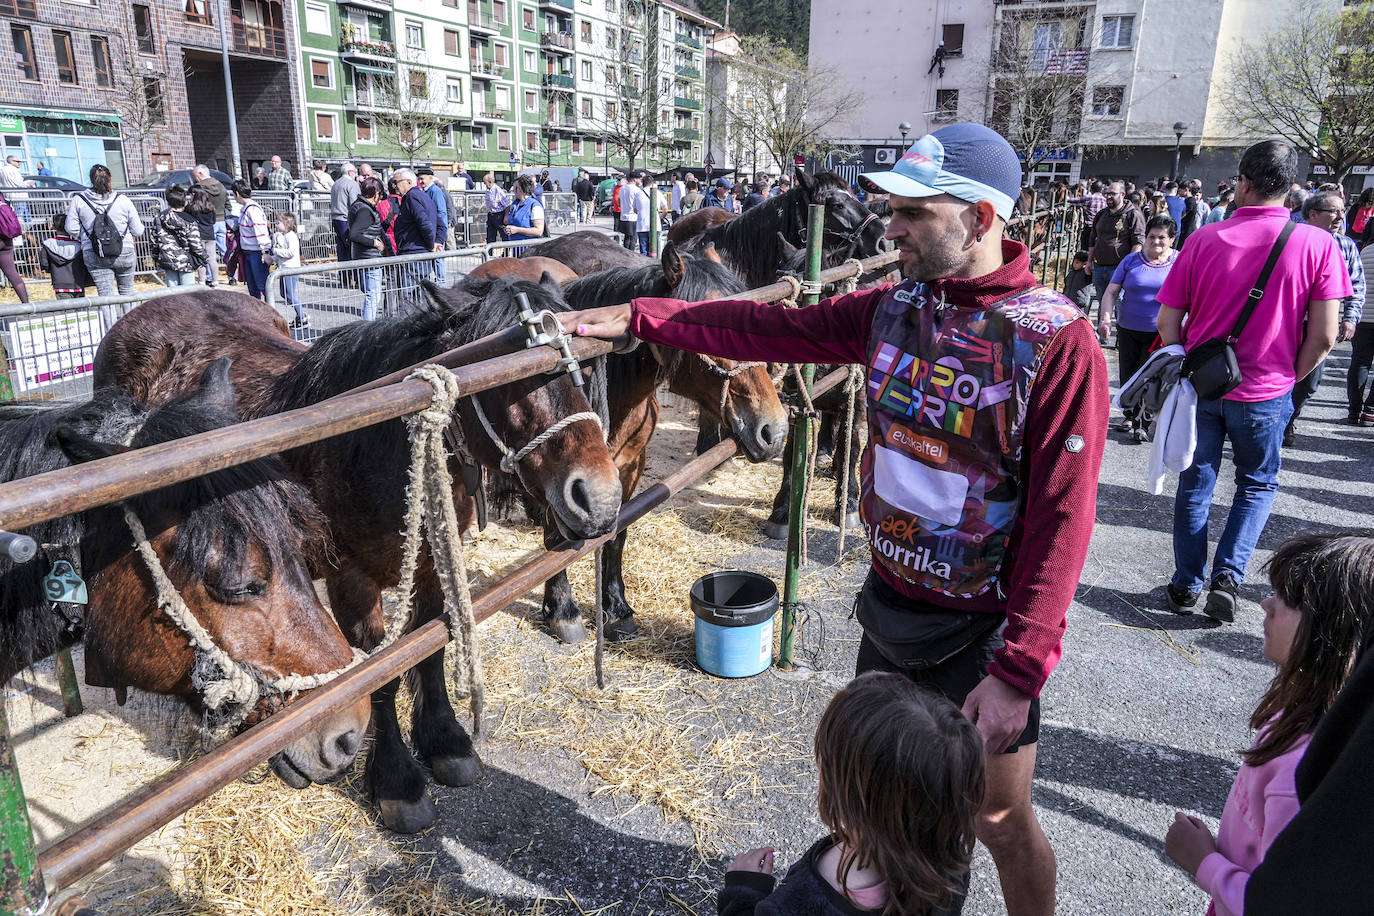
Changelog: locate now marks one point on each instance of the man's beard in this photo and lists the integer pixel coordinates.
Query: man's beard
(939, 258)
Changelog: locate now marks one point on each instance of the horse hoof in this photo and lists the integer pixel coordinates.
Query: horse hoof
(621, 629)
(775, 530)
(851, 521)
(568, 631)
(408, 817)
(455, 771)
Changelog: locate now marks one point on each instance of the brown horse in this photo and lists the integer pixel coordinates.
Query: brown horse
(743, 400)
(359, 479)
(235, 545)
(697, 222)
(532, 268)
(588, 252)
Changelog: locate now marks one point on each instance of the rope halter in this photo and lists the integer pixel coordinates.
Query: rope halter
(726, 376)
(510, 460)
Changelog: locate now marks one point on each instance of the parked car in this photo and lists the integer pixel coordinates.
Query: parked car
(52, 183)
(182, 177)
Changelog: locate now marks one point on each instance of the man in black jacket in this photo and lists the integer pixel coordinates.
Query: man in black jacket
(415, 231)
(586, 196)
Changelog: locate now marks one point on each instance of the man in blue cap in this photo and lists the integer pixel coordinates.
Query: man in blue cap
(987, 415)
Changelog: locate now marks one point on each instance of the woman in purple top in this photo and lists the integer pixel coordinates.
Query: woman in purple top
(1134, 286)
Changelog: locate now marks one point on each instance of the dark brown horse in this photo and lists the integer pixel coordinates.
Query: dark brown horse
(588, 252)
(235, 544)
(531, 267)
(359, 479)
(698, 222)
(742, 400)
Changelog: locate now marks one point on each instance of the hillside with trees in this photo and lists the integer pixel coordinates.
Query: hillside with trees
(785, 21)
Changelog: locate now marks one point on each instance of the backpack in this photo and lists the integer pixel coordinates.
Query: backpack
(106, 240)
(9, 220)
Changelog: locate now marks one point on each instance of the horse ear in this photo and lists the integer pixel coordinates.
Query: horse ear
(81, 449)
(673, 268)
(216, 387)
(711, 254)
(806, 182)
(547, 282)
(788, 249)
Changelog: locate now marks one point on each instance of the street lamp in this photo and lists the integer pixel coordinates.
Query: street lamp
(905, 128)
(1179, 128)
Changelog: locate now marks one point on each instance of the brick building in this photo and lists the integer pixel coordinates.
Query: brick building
(140, 85)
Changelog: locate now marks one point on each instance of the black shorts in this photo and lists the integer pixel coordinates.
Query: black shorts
(957, 676)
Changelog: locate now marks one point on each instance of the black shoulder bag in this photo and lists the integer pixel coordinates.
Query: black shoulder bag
(1211, 366)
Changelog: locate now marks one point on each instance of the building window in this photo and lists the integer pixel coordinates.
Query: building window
(527, 19)
(498, 11)
(531, 140)
(1047, 39)
(364, 130)
(153, 99)
(419, 84)
(321, 73)
(143, 28)
(198, 11)
(531, 65)
(577, 146)
(610, 111)
(454, 87)
(443, 135)
(1117, 31)
(498, 55)
(586, 70)
(610, 37)
(326, 127)
(503, 98)
(952, 34)
(503, 138)
(586, 29)
(479, 138)
(24, 59)
(317, 19)
(1107, 101)
(553, 146)
(586, 108)
(415, 35)
(531, 100)
(100, 56)
(601, 147)
(23, 9)
(451, 42)
(946, 106)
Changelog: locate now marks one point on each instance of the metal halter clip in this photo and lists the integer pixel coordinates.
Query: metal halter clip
(545, 330)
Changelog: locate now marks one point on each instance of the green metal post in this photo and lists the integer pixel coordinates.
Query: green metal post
(66, 680)
(21, 884)
(801, 454)
(653, 222)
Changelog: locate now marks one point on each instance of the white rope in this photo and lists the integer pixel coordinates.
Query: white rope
(850, 284)
(726, 376)
(852, 386)
(790, 300)
(510, 460)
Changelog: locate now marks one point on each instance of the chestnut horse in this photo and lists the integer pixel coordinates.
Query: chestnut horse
(531, 267)
(359, 479)
(234, 543)
(589, 252)
(742, 400)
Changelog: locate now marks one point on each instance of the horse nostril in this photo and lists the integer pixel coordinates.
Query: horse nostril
(349, 742)
(578, 496)
(766, 434)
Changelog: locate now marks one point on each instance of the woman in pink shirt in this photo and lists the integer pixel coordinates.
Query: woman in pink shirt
(1313, 625)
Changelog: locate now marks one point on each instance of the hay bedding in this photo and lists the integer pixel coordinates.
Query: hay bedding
(662, 735)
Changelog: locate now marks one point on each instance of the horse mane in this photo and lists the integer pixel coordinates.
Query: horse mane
(222, 514)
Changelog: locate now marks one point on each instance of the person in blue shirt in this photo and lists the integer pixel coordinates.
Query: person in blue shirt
(525, 217)
(435, 192)
(720, 196)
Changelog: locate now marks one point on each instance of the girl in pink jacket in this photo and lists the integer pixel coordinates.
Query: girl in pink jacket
(1313, 626)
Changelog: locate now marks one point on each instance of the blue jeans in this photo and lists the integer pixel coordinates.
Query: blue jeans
(643, 243)
(411, 275)
(1255, 430)
(439, 274)
(1102, 278)
(179, 277)
(372, 292)
(221, 238)
(288, 289)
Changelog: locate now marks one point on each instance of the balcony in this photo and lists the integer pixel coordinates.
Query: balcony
(558, 81)
(485, 24)
(686, 133)
(682, 101)
(379, 6)
(566, 5)
(557, 42)
(361, 100)
(376, 52)
(488, 116)
(688, 41)
(563, 123)
(688, 73)
(486, 70)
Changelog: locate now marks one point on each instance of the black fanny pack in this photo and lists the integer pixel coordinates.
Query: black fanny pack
(1211, 366)
(917, 639)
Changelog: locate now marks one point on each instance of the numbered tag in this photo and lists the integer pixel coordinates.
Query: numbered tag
(63, 584)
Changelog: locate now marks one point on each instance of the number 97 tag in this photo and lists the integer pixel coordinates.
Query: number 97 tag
(63, 584)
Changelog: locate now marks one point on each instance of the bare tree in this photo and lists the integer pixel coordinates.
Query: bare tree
(1311, 81)
(1039, 72)
(631, 120)
(411, 109)
(775, 103)
(140, 97)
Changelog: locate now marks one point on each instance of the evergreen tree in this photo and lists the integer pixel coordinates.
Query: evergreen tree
(785, 21)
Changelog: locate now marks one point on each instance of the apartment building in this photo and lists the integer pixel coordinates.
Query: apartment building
(504, 84)
(1095, 86)
(139, 86)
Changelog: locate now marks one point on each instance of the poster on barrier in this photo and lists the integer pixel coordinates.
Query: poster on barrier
(47, 349)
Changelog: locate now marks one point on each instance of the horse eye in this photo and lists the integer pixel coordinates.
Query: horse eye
(246, 591)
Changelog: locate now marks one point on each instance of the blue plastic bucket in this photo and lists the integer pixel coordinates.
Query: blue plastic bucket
(734, 622)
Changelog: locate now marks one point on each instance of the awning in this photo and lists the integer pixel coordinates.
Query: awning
(367, 68)
(61, 113)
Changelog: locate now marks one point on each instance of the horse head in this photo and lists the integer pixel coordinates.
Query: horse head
(522, 427)
(738, 396)
(851, 229)
(235, 546)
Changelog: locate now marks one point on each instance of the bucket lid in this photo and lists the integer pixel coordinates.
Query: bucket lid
(734, 598)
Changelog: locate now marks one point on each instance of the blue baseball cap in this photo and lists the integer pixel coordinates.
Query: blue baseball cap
(968, 161)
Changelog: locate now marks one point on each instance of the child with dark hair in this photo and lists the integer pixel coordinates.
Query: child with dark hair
(901, 782)
(60, 256)
(1314, 624)
(175, 238)
(1078, 283)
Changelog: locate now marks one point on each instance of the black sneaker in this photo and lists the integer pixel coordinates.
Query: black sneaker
(1221, 600)
(1181, 600)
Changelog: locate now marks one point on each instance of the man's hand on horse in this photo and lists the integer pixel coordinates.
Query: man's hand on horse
(607, 322)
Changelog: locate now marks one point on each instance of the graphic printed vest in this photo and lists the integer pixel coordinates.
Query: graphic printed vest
(947, 394)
